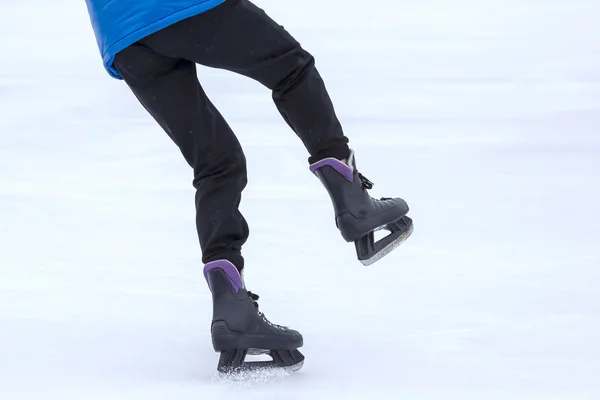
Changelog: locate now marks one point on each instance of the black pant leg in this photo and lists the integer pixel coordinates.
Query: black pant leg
(240, 37)
(169, 90)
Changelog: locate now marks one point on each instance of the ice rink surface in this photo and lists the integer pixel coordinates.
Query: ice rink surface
(483, 115)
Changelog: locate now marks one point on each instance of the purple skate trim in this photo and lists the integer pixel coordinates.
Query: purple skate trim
(230, 270)
(339, 166)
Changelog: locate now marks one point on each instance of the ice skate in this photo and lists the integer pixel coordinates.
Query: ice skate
(239, 329)
(357, 215)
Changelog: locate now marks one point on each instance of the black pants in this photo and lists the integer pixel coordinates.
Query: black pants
(240, 37)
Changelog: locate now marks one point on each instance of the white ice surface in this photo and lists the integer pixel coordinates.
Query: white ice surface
(484, 115)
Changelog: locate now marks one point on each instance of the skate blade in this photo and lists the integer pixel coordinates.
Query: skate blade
(259, 372)
(263, 366)
(389, 248)
(258, 376)
(257, 352)
(235, 362)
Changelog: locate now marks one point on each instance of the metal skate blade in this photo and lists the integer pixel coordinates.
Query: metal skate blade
(257, 352)
(389, 248)
(235, 363)
(296, 367)
(260, 373)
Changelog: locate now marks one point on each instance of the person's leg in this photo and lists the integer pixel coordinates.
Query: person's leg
(240, 37)
(169, 90)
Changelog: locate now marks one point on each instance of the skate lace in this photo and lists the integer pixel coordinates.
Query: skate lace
(254, 297)
(367, 184)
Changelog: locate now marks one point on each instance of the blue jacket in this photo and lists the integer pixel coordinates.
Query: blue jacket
(120, 23)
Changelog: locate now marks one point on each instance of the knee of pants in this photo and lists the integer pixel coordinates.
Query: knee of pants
(215, 170)
(295, 66)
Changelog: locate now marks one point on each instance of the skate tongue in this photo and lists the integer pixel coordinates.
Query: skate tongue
(234, 276)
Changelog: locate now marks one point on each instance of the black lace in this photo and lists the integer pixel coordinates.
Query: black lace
(367, 184)
(254, 298)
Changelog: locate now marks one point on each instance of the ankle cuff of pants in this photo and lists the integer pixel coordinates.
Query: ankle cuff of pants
(340, 152)
(233, 257)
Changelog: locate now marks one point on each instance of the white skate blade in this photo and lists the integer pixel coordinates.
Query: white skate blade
(389, 248)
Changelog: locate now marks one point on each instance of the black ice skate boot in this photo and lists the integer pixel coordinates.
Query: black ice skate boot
(239, 329)
(357, 214)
